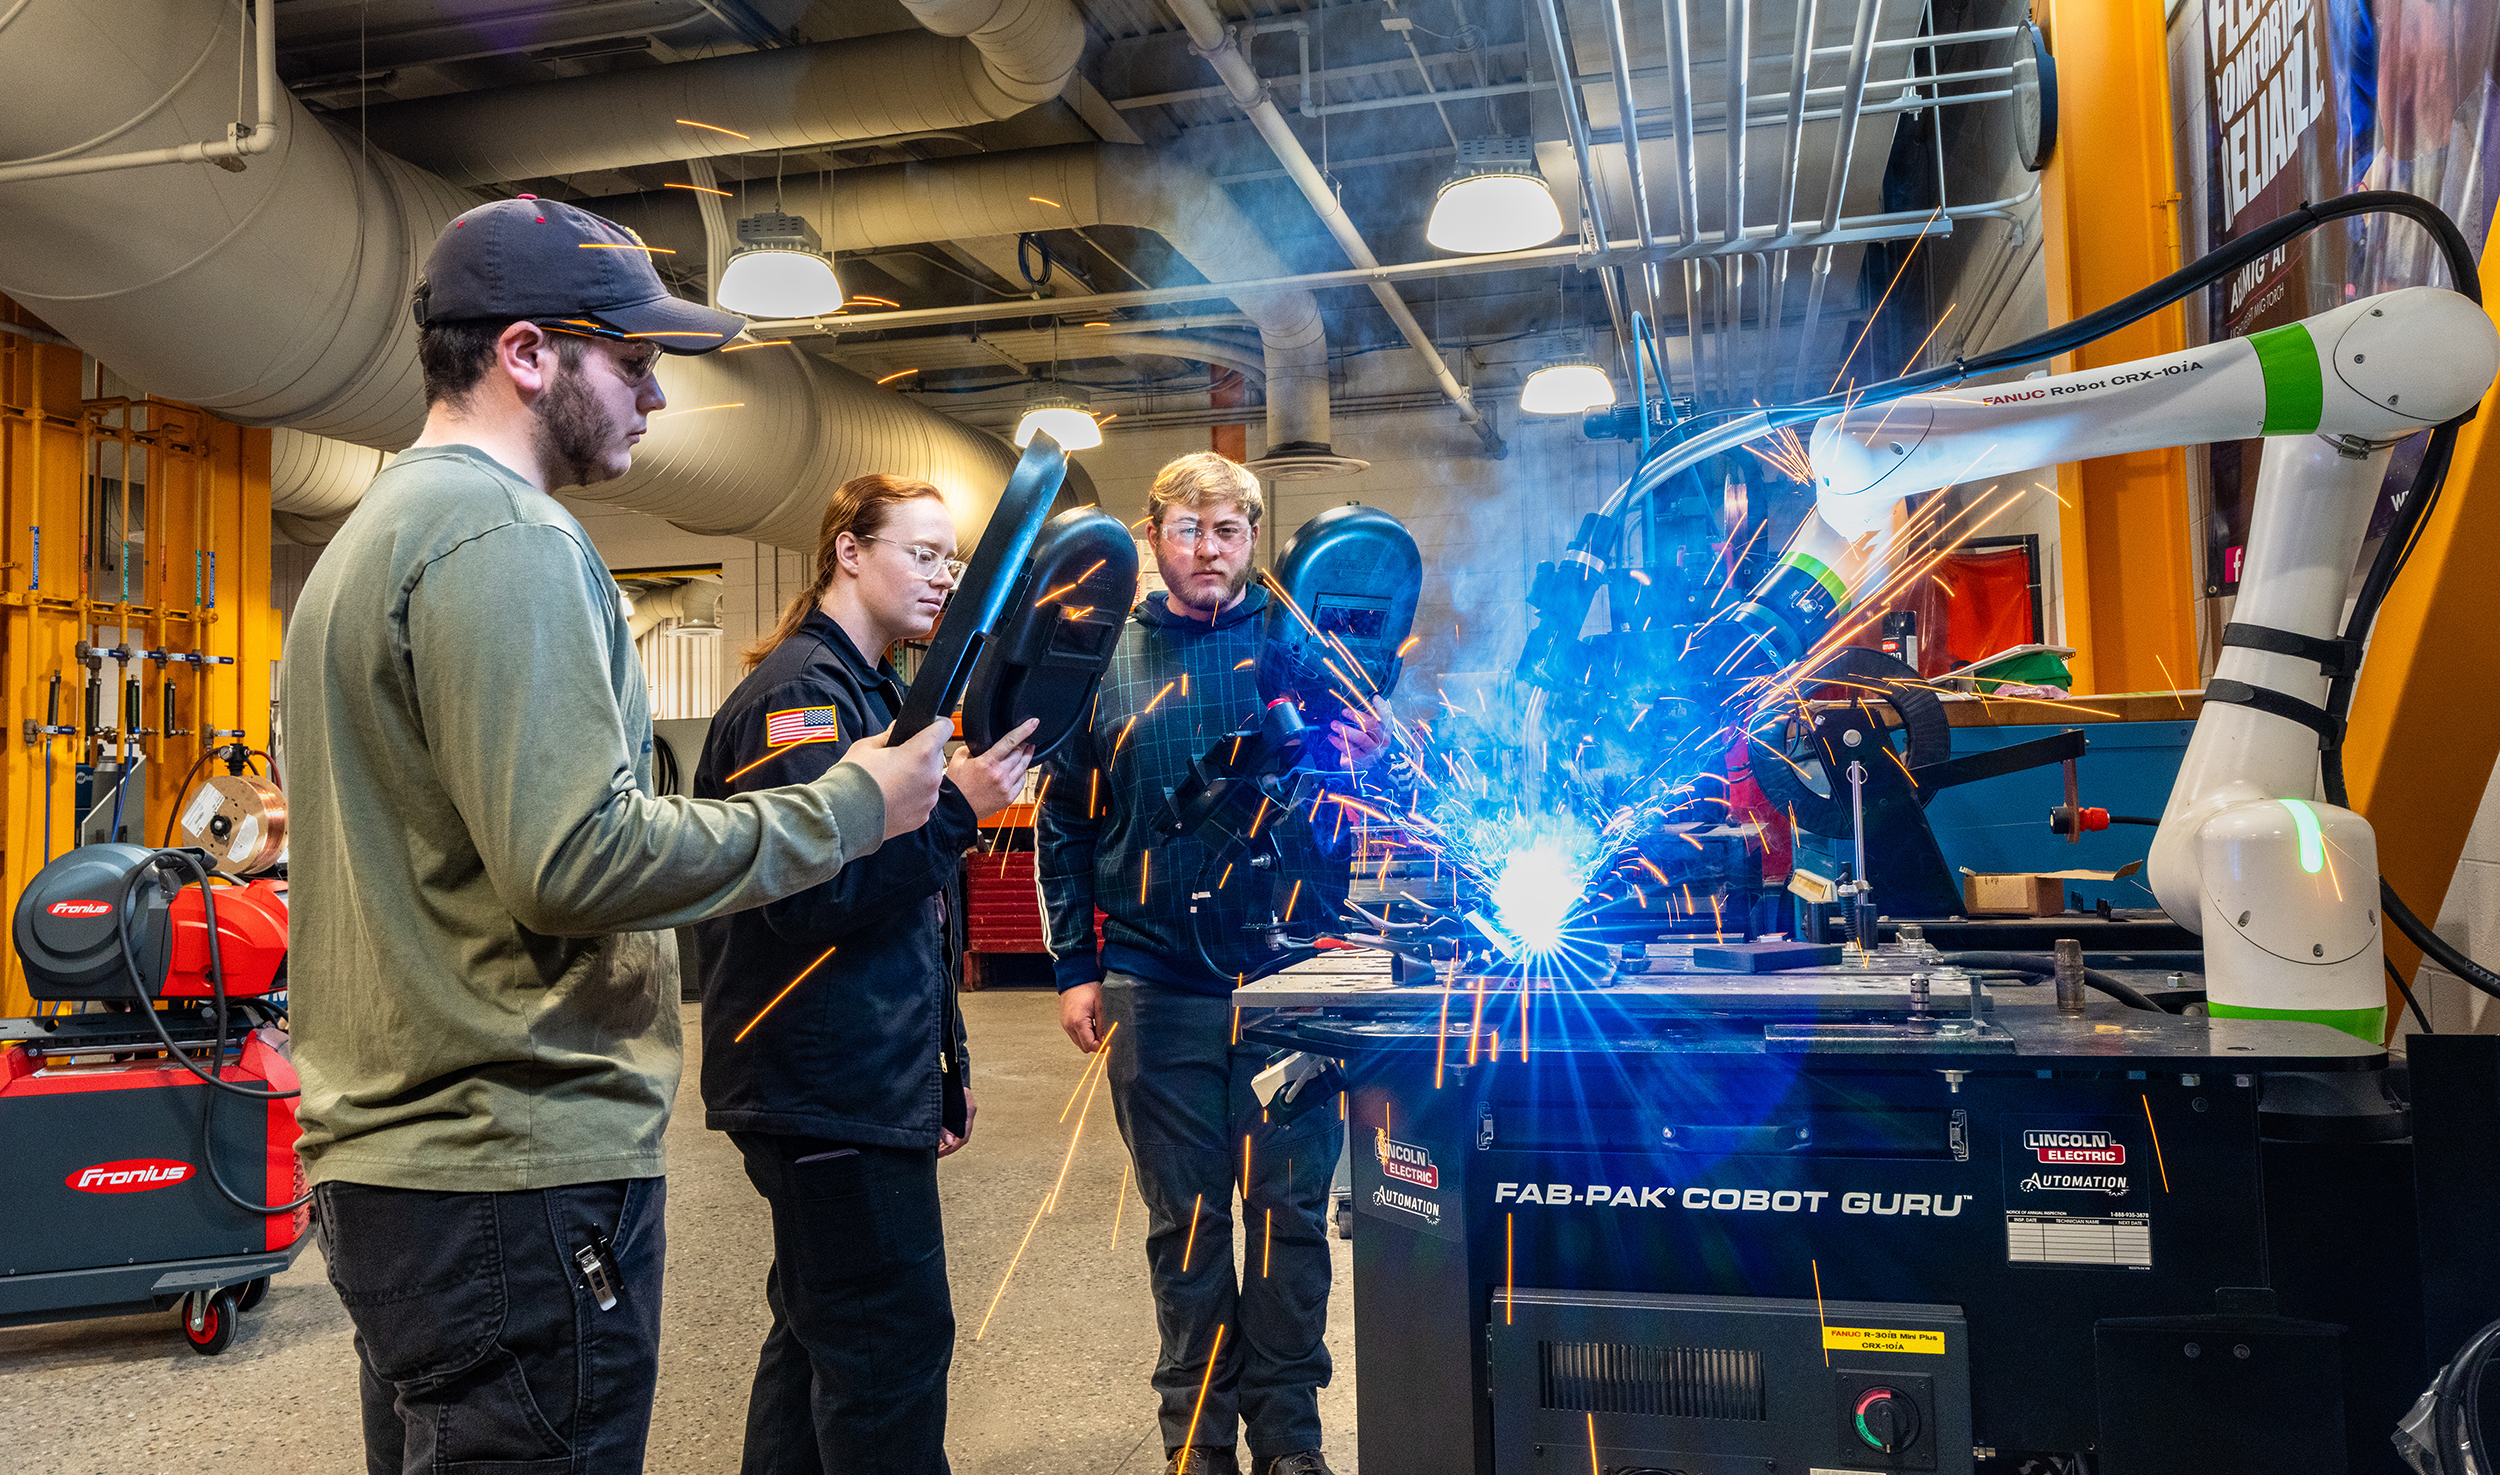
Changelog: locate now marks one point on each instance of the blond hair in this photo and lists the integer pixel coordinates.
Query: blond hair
(1203, 479)
(860, 507)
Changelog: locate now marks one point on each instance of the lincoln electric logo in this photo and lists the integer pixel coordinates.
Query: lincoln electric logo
(130, 1175)
(80, 908)
(2097, 1149)
(1405, 1161)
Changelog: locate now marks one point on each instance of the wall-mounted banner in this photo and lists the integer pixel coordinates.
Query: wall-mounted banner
(2306, 100)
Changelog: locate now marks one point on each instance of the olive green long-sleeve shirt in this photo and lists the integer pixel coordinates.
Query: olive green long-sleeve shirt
(481, 993)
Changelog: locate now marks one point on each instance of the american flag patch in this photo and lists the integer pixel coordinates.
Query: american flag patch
(800, 725)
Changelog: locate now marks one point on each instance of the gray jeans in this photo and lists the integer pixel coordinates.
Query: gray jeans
(1181, 1091)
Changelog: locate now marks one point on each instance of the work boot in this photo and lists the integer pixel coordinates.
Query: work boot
(1203, 1459)
(1300, 1462)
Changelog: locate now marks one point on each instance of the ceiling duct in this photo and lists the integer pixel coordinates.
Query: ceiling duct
(1082, 185)
(1115, 184)
(279, 295)
(1019, 53)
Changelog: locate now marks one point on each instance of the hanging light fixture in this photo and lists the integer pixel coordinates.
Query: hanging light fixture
(1494, 201)
(779, 270)
(1065, 418)
(1568, 386)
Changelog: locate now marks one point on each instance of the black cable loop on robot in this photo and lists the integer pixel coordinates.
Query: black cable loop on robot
(2464, 273)
(141, 875)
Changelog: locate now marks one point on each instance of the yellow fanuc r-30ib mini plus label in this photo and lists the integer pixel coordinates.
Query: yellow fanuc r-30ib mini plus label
(1878, 1339)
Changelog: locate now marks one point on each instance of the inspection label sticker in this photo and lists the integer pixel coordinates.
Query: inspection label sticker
(2076, 1193)
(1881, 1339)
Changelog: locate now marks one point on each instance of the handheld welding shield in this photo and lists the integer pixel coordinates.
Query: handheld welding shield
(1350, 579)
(1062, 624)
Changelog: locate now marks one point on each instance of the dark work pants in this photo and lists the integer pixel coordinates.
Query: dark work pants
(480, 1348)
(852, 1379)
(1181, 1090)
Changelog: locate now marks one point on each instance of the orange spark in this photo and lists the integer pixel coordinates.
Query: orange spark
(777, 998)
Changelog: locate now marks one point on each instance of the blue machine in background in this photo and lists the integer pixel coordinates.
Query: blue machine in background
(2002, 824)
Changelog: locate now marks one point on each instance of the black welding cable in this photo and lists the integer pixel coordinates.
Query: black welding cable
(2406, 989)
(2464, 277)
(2456, 1405)
(2412, 514)
(2044, 965)
(141, 874)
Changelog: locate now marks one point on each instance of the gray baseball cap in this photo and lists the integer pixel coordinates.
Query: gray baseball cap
(546, 260)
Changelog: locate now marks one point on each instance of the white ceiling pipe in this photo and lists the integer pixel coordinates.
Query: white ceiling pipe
(696, 599)
(279, 296)
(1020, 53)
(1212, 39)
(753, 442)
(314, 482)
(1104, 184)
(1069, 185)
(240, 142)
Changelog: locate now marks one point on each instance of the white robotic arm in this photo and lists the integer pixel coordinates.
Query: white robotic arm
(2284, 887)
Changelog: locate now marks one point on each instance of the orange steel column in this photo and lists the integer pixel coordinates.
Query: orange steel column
(2107, 205)
(2424, 726)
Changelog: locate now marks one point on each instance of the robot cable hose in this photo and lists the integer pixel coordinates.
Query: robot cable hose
(1599, 535)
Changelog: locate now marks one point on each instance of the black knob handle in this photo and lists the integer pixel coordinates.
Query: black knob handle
(1887, 1420)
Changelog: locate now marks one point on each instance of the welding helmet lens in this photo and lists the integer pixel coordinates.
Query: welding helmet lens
(1350, 578)
(1061, 626)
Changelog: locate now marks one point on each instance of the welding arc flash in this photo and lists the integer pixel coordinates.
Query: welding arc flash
(1534, 894)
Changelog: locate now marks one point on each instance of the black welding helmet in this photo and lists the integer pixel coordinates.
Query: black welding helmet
(1057, 634)
(1350, 578)
(68, 925)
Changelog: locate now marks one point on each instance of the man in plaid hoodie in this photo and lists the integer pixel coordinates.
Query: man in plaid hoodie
(1180, 1082)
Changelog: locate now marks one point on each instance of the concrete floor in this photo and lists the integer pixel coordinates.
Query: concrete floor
(1057, 1384)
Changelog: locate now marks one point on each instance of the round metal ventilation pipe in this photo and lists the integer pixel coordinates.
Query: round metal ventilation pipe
(314, 482)
(1079, 185)
(1105, 184)
(753, 443)
(1020, 53)
(273, 296)
(279, 295)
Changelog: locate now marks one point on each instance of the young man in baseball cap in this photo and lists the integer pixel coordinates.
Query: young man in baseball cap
(485, 996)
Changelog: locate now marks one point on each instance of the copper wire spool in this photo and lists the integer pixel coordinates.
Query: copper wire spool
(239, 820)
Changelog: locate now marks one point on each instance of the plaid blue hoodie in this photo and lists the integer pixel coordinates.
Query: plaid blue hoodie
(1175, 686)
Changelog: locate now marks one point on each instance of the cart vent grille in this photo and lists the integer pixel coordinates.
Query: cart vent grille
(1668, 1382)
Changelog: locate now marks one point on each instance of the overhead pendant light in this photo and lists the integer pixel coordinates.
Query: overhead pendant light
(1570, 387)
(1494, 201)
(779, 270)
(1064, 418)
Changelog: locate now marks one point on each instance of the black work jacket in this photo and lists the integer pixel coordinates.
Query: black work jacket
(861, 1049)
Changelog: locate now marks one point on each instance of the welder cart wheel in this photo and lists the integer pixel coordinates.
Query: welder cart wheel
(215, 1331)
(254, 1292)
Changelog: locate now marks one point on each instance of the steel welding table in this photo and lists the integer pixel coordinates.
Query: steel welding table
(1710, 1223)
